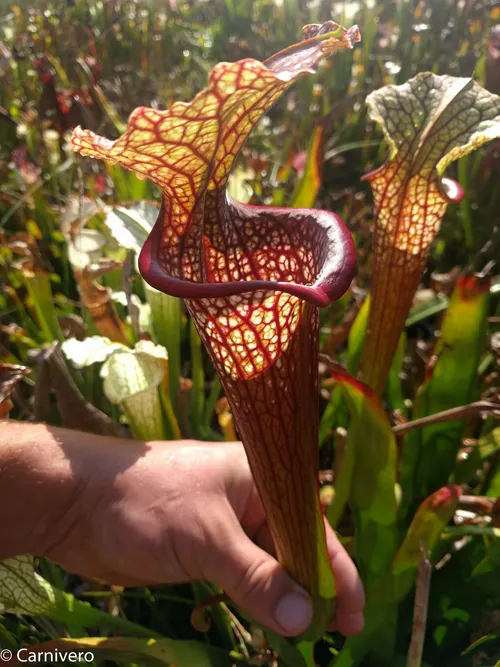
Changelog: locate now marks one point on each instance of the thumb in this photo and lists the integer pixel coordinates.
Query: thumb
(258, 584)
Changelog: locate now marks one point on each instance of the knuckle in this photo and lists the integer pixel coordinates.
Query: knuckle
(251, 583)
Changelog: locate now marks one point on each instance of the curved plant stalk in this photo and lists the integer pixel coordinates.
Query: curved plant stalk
(429, 122)
(252, 278)
(430, 452)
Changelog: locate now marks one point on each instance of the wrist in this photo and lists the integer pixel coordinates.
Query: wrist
(37, 486)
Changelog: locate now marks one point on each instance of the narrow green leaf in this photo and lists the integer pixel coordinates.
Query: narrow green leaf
(429, 453)
(334, 414)
(168, 326)
(289, 654)
(197, 396)
(395, 396)
(39, 289)
(310, 183)
(367, 478)
(425, 310)
(357, 337)
(492, 637)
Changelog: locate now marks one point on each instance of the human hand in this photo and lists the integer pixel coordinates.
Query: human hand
(135, 513)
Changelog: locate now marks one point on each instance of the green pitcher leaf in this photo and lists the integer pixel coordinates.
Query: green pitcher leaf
(24, 591)
(91, 350)
(132, 379)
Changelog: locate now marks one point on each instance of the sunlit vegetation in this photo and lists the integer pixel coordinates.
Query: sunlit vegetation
(403, 398)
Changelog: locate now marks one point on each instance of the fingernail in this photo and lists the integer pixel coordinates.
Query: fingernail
(294, 613)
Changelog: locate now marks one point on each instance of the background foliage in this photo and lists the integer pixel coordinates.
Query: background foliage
(64, 63)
